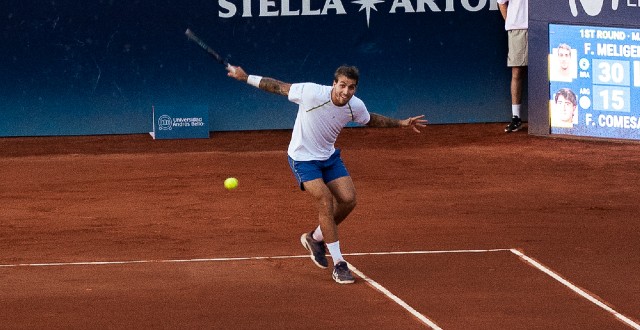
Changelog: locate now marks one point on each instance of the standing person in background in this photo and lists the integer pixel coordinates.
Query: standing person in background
(516, 18)
(322, 113)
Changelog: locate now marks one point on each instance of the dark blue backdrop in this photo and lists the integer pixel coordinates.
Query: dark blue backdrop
(75, 67)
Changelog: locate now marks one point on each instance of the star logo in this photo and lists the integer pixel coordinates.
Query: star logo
(367, 5)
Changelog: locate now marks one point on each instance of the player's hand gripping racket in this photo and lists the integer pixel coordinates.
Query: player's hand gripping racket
(208, 49)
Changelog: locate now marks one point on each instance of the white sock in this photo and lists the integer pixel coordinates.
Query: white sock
(317, 234)
(334, 250)
(515, 110)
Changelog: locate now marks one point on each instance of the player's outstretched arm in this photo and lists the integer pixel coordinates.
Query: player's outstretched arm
(265, 83)
(381, 121)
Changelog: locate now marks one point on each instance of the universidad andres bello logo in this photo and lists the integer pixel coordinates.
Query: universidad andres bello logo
(271, 8)
(593, 7)
(165, 123)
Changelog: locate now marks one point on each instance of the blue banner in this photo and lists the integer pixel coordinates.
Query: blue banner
(96, 67)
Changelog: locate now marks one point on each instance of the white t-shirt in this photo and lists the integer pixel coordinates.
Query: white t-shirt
(319, 121)
(517, 14)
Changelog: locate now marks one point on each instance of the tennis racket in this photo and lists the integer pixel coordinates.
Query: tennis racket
(206, 47)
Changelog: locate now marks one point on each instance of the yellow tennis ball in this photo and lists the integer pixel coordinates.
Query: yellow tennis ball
(231, 183)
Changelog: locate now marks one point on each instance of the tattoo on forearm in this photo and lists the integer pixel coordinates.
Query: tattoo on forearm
(382, 121)
(274, 86)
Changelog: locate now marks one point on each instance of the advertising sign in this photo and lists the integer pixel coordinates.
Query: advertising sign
(180, 122)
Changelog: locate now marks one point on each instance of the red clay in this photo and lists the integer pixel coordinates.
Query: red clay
(570, 204)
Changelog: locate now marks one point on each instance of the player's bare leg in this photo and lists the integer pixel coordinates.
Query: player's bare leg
(344, 194)
(334, 201)
(326, 206)
(324, 200)
(316, 245)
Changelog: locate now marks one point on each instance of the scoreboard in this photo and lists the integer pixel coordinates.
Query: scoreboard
(594, 81)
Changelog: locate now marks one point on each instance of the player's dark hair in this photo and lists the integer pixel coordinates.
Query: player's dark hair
(350, 72)
(568, 95)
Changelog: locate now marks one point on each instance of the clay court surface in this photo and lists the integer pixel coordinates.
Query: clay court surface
(454, 228)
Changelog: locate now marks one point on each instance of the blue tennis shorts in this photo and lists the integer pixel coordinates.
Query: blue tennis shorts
(328, 170)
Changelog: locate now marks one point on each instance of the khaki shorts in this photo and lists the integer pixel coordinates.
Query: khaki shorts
(518, 48)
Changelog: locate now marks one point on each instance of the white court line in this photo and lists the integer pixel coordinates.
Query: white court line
(575, 289)
(149, 261)
(395, 298)
(424, 252)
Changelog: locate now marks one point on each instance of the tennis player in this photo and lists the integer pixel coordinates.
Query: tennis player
(322, 113)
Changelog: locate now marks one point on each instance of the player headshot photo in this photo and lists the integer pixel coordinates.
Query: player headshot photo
(564, 109)
(563, 64)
